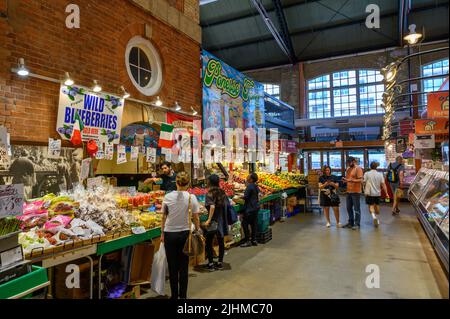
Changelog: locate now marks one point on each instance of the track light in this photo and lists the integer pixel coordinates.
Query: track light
(67, 80)
(390, 72)
(125, 95)
(97, 88)
(194, 112)
(22, 70)
(177, 106)
(158, 101)
(413, 37)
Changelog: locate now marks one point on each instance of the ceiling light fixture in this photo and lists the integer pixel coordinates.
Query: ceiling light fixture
(97, 88)
(125, 95)
(67, 80)
(390, 72)
(194, 112)
(22, 70)
(158, 101)
(413, 37)
(177, 106)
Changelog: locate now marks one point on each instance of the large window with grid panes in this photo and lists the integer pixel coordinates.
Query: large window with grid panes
(438, 70)
(272, 89)
(345, 93)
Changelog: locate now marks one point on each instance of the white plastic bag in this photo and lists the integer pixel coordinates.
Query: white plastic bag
(159, 268)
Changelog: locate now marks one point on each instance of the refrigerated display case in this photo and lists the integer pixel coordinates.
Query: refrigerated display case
(433, 208)
(419, 183)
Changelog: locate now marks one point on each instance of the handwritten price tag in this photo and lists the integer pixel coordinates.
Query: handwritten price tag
(11, 200)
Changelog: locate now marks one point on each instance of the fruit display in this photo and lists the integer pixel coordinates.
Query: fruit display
(294, 178)
(227, 187)
(274, 181)
(197, 191)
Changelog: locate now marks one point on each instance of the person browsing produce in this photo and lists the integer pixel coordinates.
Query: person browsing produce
(250, 211)
(175, 229)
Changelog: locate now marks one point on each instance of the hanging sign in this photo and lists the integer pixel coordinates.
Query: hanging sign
(230, 99)
(432, 126)
(100, 153)
(424, 141)
(11, 200)
(134, 153)
(100, 113)
(121, 154)
(85, 168)
(437, 105)
(151, 155)
(109, 151)
(54, 148)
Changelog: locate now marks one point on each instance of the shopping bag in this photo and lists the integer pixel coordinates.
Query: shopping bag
(159, 268)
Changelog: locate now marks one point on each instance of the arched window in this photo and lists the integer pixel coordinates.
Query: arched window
(345, 93)
(435, 68)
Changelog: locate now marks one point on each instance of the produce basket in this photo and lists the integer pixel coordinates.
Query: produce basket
(25, 285)
(263, 220)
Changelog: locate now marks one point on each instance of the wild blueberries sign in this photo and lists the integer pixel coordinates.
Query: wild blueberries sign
(100, 113)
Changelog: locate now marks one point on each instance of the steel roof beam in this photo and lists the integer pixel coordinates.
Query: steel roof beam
(273, 30)
(284, 29)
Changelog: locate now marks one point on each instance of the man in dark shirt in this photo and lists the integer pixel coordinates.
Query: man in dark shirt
(168, 178)
(250, 211)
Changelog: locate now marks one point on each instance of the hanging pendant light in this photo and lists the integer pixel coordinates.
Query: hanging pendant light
(22, 70)
(413, 37)
(97, 88)
(125, 95)
(194, 112)
(67, 80)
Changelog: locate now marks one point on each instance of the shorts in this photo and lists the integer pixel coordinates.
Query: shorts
(373, 200)
(325, 201)
(396, 190)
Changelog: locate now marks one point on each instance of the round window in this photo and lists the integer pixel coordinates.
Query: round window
(143, 66)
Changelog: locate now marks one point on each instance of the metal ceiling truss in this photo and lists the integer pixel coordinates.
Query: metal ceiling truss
(317, 29)
(284, 46)
(284, 29)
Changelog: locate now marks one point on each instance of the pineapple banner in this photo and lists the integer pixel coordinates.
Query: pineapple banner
(230, 99)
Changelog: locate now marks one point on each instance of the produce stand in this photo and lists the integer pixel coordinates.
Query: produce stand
(23, 286)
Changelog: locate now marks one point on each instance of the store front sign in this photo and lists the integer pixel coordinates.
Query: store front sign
(432, 126)
(288, 146)
(230, 99)
(437, 105)
(424, 141)
(100, 113)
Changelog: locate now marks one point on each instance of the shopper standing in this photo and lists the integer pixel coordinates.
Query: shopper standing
(353, 178)
(373, 183)
(216, 204)
(175, 229)
(250, 211)
(395, 175)
(328, 186)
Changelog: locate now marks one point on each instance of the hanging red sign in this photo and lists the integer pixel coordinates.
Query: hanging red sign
(437, 105)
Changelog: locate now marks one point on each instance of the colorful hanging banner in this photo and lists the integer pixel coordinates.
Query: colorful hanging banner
(432, 126)
(101, 114)
(230, 99)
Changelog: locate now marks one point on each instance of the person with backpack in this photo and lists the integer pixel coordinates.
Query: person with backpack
(395, 175)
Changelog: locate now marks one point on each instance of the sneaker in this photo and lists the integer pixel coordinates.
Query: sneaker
(356, 227)
(218, 265)
(254, 243)
(347, 226)
(376, 222)
(328, 225)
(246, 244)
(339, 225)
(210, 267)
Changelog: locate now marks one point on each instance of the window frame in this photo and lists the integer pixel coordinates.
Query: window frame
(271, 87)
(156, 79)
(330, 89)
(432, 76)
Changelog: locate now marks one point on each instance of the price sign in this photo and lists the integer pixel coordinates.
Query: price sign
(134, 153)
(109, 151)
(54, 148)
(100, 153)
(11, 200)
(121, 154)
(85, 167)
(151, 155)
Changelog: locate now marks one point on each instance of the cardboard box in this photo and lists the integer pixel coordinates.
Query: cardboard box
(61, 291)
(141, 263)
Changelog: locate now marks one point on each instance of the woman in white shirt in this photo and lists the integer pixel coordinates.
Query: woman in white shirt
(175, 231)
(373, 182)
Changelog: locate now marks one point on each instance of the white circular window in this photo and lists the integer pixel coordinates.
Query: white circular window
(143, 66)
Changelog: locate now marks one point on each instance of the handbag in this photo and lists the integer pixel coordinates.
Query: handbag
(334, 198)
(212, 228)
(195, 242)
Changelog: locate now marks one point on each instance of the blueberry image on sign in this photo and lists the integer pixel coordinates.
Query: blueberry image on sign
(111, 135)
(115, 102)
(72, 92)
(66, 130)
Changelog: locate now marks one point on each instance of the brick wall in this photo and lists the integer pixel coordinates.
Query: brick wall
(35, 30)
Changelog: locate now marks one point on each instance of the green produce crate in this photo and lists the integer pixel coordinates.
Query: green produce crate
(263, 220)
(26, 283)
